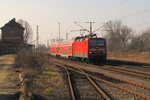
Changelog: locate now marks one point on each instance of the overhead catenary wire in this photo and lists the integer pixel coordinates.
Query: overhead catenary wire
(81, 26)
(140, 24)
(137, 13)
(117, 5)
(100, 27)
(90, 31)
(130, 15)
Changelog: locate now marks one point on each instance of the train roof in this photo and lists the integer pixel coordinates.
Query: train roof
(79, 38)
(62, 43)
(89, 36)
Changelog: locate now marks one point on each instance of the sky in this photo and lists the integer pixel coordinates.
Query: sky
(48, 13)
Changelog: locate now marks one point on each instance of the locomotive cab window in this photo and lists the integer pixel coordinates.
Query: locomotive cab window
(100, 43)
(96, 43)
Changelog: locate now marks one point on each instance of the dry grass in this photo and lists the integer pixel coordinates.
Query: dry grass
(30, 59)
(50, 83)
(8, 77)
(143, 57)
(7, 59)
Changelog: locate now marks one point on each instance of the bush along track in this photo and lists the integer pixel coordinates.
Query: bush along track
(30, 65)
(39, 79)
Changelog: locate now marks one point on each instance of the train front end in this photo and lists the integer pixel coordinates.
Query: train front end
(97, 49)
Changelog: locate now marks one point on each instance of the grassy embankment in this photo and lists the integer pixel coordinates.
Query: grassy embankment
(143, 57)
(47, 79)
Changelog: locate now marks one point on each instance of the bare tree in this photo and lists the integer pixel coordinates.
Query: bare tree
(145, 38)
(118, 35)
(42, 47)
(28, 33)
(136, 43)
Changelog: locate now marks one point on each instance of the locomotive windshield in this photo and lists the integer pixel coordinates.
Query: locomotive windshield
(96, 43)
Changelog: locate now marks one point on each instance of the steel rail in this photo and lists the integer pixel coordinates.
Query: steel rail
(117, 86)
(122, 88)
(101, 92)
(135, 74)
(132, 83)
(135, 71)
(123, 71)
(112, 84)
(69, 82)
(105, 97)
(135, 84)
(120, 70)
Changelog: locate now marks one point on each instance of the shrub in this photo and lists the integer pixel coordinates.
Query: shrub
(30, 59)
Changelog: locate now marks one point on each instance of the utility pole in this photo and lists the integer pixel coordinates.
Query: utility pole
(51, 38)
(59, 33)
(37, 36)
(47, 43)
(91, 26)
(66, 36)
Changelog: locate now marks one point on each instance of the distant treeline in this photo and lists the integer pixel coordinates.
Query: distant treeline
(123, 38)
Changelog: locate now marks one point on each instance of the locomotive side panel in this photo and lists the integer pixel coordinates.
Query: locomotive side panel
(80, 49)
(85, 49)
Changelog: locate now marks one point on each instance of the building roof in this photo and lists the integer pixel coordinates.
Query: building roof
(12, 24)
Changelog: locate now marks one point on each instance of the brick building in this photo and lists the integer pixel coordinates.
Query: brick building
(12, 36)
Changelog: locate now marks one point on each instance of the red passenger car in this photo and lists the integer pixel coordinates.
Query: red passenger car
(66, 49)
(54, 49)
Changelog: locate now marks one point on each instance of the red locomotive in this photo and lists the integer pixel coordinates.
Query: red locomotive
(87, 48)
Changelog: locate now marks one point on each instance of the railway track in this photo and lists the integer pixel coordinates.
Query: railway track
(107, 83)
(114, 62)
(126, 71)
(136, 73)
(69, 83)
(74, 94)
(129, 70)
